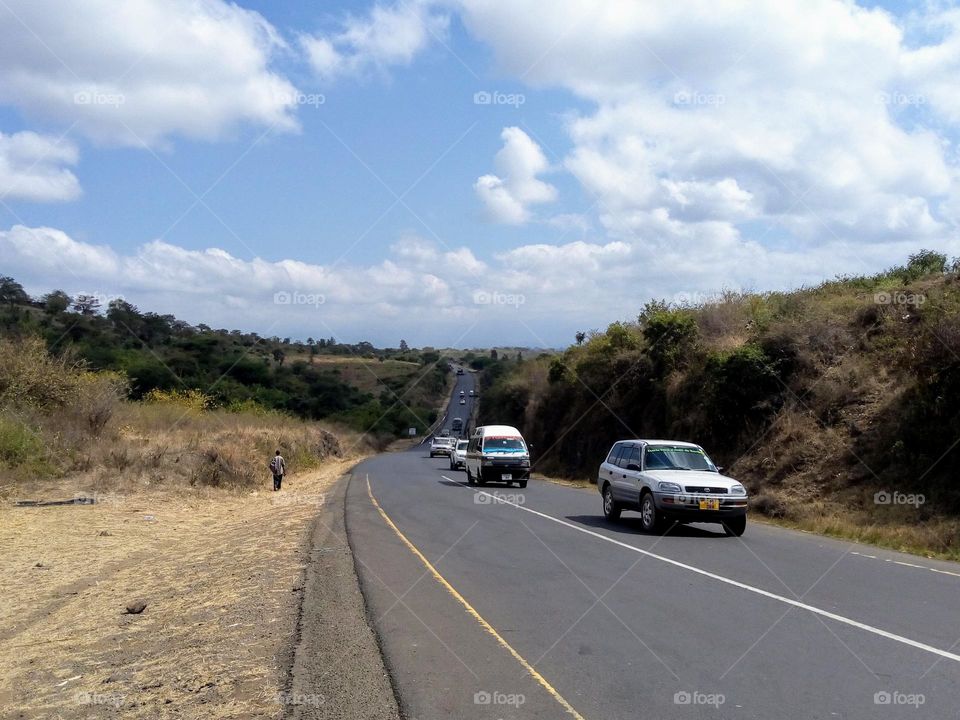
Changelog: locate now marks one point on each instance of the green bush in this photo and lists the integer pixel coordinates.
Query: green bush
(671, 335)
(20, 445)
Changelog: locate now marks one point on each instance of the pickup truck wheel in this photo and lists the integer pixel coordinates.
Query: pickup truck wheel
(735, 527)
(650, 518)
(611, 508)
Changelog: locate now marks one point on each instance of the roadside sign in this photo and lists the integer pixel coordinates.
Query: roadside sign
(412, 431)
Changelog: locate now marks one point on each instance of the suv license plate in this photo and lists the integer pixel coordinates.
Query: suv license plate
(710, 504)
(506, 477)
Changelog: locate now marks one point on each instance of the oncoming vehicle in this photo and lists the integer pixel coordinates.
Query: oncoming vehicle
(463, 401)
(442, 445)
(667, 480)
(459, 371)
(458, 457)
(457, 425)
(497, 453)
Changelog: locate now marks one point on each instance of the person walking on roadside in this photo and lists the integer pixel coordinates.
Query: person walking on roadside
(278, 468)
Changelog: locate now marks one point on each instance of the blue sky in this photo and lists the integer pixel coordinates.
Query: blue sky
(206, 158)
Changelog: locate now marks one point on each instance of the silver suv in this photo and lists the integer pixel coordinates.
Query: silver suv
(442, 446)
(667, 480)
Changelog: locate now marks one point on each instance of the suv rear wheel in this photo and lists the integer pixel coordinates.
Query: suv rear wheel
(611, 508)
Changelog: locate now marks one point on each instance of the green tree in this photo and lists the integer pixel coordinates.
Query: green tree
(12, 292)
(56, 303)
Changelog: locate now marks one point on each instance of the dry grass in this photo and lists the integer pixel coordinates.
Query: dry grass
(219, 570)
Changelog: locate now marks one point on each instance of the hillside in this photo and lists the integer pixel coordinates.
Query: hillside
(838, 405)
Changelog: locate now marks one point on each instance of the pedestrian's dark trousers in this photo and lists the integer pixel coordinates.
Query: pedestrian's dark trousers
(277, 479)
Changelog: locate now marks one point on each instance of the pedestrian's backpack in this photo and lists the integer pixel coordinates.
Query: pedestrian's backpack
(275, 465)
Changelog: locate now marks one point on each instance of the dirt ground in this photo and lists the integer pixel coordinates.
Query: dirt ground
(222, 577)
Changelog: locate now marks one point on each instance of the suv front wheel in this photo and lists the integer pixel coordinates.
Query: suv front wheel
(735, 526)
(650, 519)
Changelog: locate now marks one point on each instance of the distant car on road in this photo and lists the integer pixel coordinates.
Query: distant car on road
(457, 425)
(459, 371)
(473, 393)
(667, 480)
(458, 457)
(463, 401)
(442, 446)
(497, 453)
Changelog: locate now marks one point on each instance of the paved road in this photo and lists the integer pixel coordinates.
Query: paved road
(536, 597)
(465, 383)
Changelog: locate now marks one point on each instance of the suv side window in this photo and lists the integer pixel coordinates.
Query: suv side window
(631, 458)
(625, 456)
(614, 453)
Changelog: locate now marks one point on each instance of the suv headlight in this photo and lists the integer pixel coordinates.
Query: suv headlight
(738, 489)
(668, 487)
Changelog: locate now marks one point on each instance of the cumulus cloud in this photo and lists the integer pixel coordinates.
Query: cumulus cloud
(388, 35)
(140, 71)
(32, 168)
(508, 195)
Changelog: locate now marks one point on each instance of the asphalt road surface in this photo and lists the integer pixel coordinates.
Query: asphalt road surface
(502, 603)
(465, 383)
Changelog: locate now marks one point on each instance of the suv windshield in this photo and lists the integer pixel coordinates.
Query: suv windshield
(503, 444)
(666, 457)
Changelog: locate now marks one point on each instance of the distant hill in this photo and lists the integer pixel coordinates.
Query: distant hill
(378, 390)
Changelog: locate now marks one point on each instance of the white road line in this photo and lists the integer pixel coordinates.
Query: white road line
(729, 581)
(906, 564)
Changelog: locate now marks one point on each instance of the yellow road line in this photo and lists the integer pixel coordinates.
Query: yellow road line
(470, 609)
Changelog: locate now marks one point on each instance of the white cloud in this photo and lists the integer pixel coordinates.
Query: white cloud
(388, 35)
(722, 135)
(32, 168)
(507, 196)
(142, 70)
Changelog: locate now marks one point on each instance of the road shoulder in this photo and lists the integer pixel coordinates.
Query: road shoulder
(338, 670)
